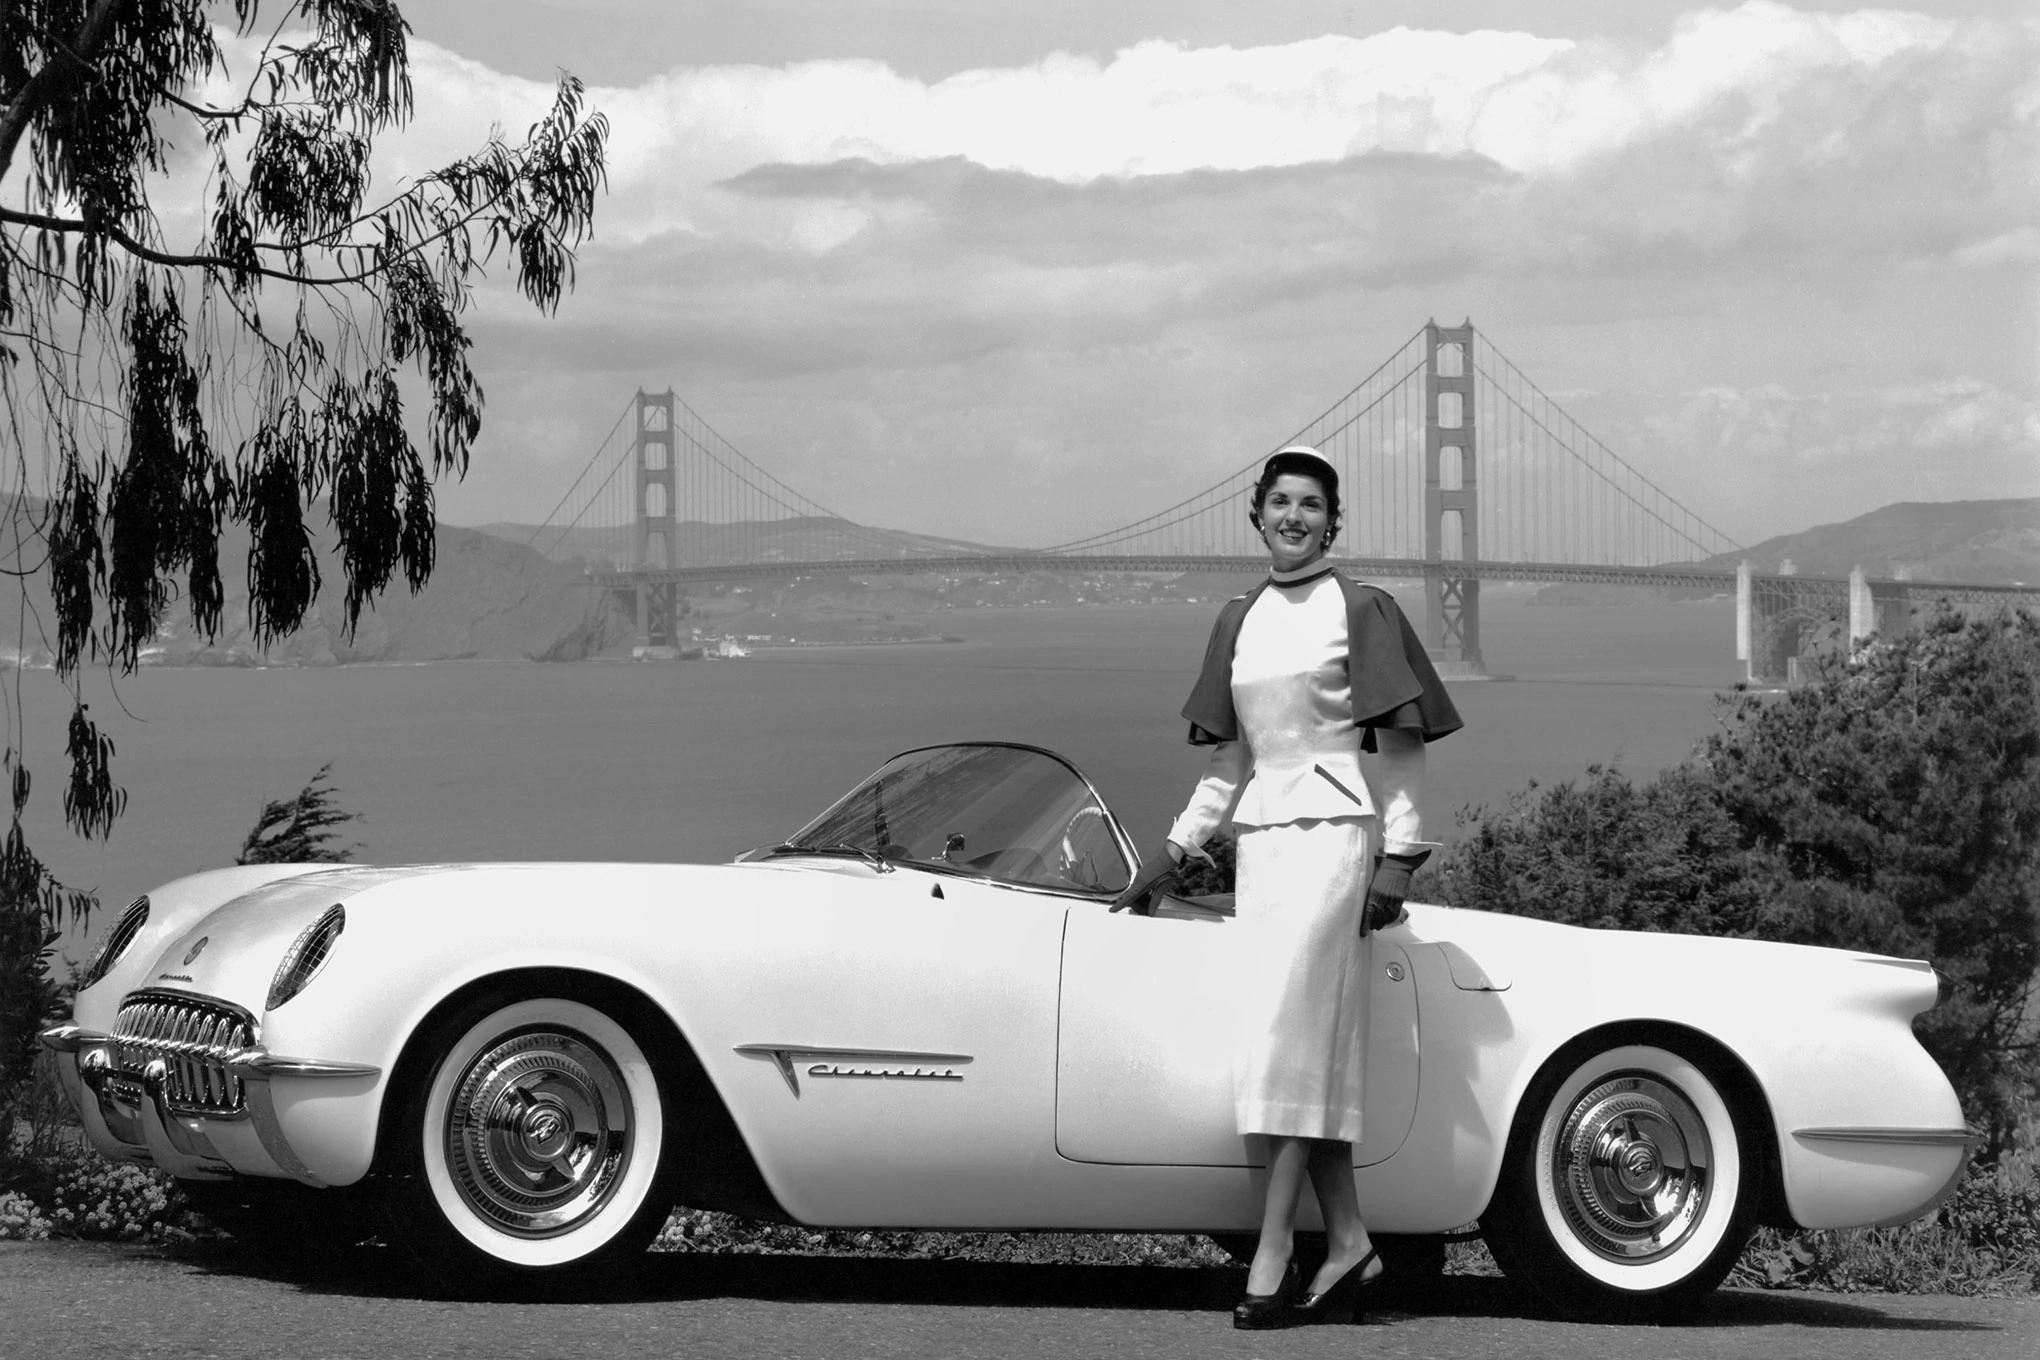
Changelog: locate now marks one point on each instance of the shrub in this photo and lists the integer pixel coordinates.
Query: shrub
(95, 1198)
(1891, 806)
(72, 1191)
(700, 1230)
(1608, 854)
(1194, 877)
(21, 1219)
(1894, 806)
(300, 830)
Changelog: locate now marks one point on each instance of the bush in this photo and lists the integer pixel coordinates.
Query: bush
(1195, 877)
(21, 1218)
(1894, 806)
(96, 1198)
(300, 830)
(1891, 806)
(700, 1230)
(1608, 854)
(74, 1192)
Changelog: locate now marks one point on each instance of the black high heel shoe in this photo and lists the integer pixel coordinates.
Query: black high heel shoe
(1340, 1304)
(1266, 1312)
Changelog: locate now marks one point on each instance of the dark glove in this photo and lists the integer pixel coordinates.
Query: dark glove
(1387, 888)
(1156, 870)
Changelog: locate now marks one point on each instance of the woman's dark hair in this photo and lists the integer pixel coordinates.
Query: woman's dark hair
(1277, 467)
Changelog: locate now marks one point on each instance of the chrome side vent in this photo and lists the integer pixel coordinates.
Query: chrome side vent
(194, 1037)
(306, 956)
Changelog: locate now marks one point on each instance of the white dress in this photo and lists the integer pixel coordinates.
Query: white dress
(1309, 823)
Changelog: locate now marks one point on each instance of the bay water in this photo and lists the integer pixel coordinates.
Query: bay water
(698, 760)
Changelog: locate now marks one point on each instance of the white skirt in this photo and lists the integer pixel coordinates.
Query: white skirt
(1303, 997)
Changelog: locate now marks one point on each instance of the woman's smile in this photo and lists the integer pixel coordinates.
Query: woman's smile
(1293, 519)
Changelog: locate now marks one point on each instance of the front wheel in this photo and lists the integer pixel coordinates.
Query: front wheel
(1629, 1186)
(533, 1144)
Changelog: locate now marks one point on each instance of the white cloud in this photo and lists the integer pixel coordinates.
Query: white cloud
(2020, 246)
(869, 268)
(1958, 429)
(1537, 106)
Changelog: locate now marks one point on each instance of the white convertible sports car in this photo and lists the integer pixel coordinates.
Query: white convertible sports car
(920, 1011)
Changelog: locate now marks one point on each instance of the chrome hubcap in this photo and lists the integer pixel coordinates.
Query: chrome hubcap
(539, 1133)
(1631, 1168)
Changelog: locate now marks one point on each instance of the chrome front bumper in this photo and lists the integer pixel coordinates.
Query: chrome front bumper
(197, 1112)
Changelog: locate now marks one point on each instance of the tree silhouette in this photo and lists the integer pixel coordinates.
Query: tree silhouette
(300, 829)
(209, 317)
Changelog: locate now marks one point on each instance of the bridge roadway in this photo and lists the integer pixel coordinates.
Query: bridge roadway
(1721, 579)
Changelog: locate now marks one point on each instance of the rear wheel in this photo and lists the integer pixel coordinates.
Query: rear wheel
(1630, 1184)
(534, 1144)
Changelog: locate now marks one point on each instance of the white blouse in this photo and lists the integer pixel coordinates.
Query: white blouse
(1298, 757)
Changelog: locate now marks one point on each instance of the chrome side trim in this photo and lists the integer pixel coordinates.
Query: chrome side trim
(861, 1062)
(1967, 1137)
(259, 1064)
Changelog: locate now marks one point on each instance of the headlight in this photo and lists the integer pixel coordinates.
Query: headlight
(306, 955)
(117, 941)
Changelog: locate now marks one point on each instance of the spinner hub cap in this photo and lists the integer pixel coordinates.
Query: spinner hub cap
(539, 1132)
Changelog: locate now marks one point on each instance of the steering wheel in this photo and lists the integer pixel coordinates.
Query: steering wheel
(1066, 861)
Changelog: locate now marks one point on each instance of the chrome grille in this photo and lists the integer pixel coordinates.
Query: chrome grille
(193, 1037)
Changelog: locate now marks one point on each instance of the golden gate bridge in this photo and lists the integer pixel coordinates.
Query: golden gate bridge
(1455, 468)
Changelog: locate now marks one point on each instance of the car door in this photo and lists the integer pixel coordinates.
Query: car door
(1146, 1035)
(881, 1043)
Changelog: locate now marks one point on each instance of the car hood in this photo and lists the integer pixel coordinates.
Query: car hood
(232, 951)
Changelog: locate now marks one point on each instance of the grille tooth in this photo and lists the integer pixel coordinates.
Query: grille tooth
(194, 1037)
(215, 1033)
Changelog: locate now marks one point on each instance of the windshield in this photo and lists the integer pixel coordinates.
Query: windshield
(1006, 812)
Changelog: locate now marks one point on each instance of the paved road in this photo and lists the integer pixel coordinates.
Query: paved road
(63, 1300)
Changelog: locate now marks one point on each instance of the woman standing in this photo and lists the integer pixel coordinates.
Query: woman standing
(1303, 673)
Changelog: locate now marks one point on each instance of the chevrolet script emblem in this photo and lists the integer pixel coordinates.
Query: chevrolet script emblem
(881, 1063)
(195, 950)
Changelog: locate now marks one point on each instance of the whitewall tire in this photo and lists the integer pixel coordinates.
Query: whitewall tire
(1630, 1184)
(534, 1145)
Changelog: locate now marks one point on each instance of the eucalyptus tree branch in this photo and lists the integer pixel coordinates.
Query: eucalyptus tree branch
(68, 66)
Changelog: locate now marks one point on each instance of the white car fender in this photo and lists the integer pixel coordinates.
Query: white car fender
(1796, 1012)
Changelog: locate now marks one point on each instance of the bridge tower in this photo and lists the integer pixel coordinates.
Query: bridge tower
(657, 545)
(1451, 601)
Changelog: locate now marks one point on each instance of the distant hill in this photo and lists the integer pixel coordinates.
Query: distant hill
(486, 599)
(1975, 542)
(505, 591)
(795, 539)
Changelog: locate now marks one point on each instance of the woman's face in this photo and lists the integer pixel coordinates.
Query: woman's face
(1293, 519)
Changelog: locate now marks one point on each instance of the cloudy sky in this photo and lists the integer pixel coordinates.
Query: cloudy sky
(1015, 270)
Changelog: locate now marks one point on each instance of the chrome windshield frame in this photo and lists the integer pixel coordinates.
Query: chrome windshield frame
(1119, 837)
